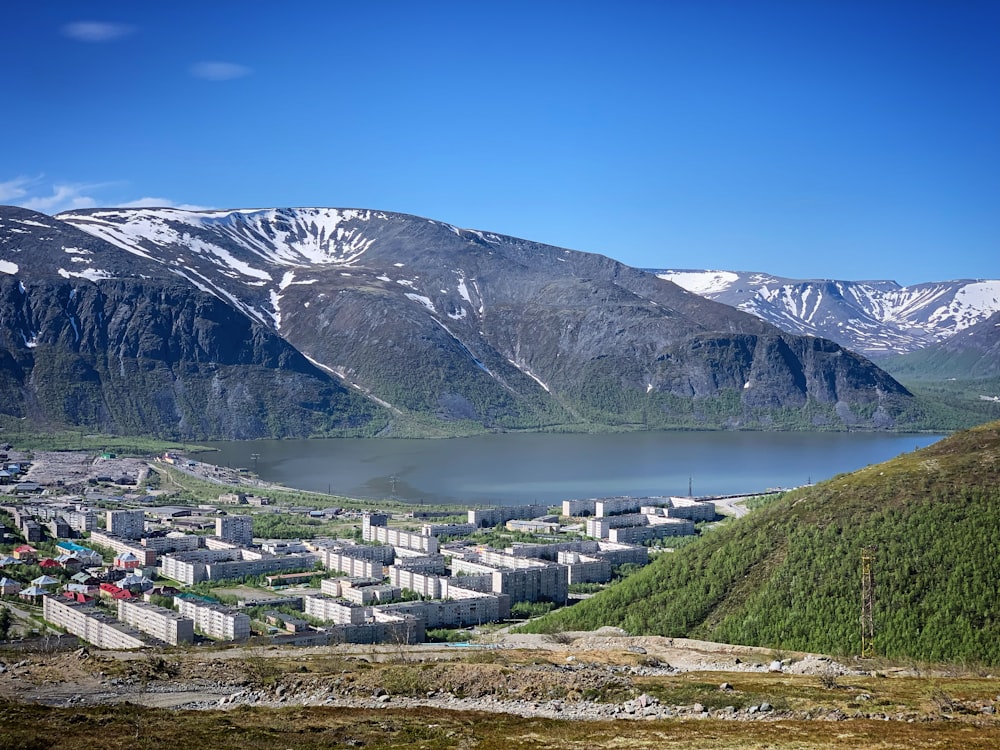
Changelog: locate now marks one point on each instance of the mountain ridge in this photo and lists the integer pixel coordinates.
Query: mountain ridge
(877, 318)
(424, 321)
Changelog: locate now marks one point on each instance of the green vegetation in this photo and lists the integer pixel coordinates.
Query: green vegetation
(28, 438)
(788, 575)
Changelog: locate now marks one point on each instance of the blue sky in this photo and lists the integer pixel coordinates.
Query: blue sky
(847, 140)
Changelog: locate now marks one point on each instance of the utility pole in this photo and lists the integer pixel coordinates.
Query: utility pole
(868, 602)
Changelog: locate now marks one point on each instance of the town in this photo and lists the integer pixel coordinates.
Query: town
(95, 554)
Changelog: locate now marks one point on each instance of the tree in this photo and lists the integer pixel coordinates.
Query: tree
(5, 623)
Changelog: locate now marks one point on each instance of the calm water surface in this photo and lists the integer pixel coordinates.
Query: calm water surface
(550, 468)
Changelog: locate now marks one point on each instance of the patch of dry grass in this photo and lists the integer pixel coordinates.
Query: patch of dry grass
(29, 727)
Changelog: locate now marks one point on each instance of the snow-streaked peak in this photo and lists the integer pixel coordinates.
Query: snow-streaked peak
(872, 316)
(275, 236)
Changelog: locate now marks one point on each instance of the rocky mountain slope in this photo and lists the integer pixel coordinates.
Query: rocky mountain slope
(875, 318)
(973, 353)
(318, 321)
(788, 574)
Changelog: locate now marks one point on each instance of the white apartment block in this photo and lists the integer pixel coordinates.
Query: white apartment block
(374, 529)
(283, 546)
(524, 579)
(579, 507)
(127, 524)
(585, 568)
(159, 622)
(613, 506)
(448, 529)
(461, 608)
(215, 620)
(424, 563)
(235, 529)
(696, 510)
(172, 542)
(85, 621)
(383, 553)
(121, 546)
(487, 517)
(337, 611)
(81, 520)
(600, 526)
(658, 529)
(213, 565)
(624, 554)
(551, 551)
(351, 566)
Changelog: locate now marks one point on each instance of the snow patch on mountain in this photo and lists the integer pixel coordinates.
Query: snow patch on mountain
(425, 301)
(538, 380)
(8, 267)
(91, 274)
(701, 282)
(873, 317)
(302, 236)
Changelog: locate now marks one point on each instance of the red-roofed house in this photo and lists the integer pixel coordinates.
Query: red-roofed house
(26, 553)
(110, 591)
(127, 561)
(47, 563)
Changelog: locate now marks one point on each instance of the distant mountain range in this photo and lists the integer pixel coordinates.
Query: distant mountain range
(875, 318)
(280, 322)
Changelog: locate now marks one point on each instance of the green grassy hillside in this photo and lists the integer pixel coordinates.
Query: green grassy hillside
(788, 576)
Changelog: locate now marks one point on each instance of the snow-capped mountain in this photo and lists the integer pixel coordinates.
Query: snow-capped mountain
(875, 318)
(272, 322)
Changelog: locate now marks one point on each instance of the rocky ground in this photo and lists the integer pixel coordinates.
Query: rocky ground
(584, 676)
(74, 468)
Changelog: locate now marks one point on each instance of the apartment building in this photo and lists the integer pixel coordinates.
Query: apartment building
(460, 608)
(337, 611)
(374, 529)
(487, 517)
(235, 529)
(84, 620)
(524, 579)
(125, 524)
(175, 541)
(448, 529)
(350, 565)
(585, 568)
(121, 545)
(161, 623)
(637, 534)
(214, 620)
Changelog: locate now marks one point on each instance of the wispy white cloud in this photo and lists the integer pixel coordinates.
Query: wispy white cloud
(34, 193)
(219, 71)
(160, 203)
(52, 198)
(11, 190)
(96, 31)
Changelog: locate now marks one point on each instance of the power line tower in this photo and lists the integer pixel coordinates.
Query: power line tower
(868, 602)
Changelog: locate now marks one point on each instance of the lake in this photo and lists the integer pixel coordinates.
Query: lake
(510, 469)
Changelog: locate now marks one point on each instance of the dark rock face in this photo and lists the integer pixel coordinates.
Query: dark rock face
(325, 321)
